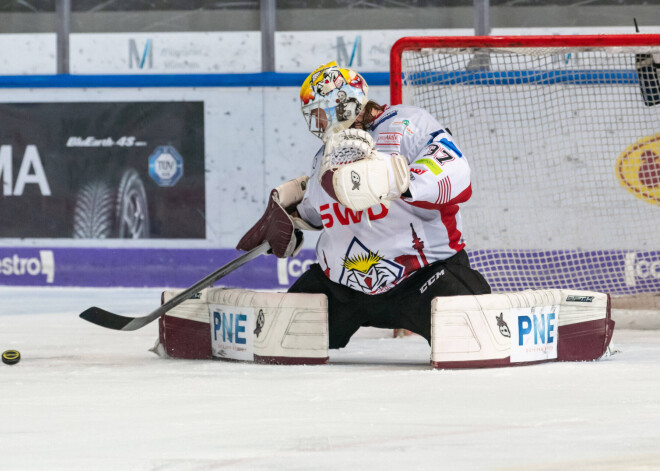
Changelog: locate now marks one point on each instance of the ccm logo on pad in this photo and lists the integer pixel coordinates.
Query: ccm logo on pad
(431, 280)
(579, 299)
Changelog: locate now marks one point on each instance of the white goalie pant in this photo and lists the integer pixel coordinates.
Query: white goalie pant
(519, 328)
(245, 325)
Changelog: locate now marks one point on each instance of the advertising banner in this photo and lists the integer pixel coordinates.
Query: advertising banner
(616, 272)
(177, 268)
(166, 53)
(231, 334)
(534, 333)
(239, 52)
(369, 50)
(102, 170)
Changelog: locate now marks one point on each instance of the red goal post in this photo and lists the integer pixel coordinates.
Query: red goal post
(563, 138)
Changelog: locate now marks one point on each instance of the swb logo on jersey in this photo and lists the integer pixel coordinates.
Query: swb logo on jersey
(534, 333)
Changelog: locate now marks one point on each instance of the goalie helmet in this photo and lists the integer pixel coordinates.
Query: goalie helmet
(331, 99)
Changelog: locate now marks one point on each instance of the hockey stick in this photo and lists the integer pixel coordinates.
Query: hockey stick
(104, 318)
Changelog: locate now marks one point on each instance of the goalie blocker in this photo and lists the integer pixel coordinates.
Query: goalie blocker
(519, 328)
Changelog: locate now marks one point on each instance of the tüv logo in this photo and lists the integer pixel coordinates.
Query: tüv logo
(29, 266)
(165, 166)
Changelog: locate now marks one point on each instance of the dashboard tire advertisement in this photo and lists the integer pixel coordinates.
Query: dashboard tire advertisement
(102, 170)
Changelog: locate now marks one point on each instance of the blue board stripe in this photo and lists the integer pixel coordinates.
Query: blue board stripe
(568, 77)
(279, 79)
(263, 79)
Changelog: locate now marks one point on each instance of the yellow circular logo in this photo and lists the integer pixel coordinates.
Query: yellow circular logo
(638, 169)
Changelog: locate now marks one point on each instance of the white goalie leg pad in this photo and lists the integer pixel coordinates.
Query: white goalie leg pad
(246, 325)
(267, 327)
(519, 328)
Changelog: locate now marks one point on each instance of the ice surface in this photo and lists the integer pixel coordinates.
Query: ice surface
(88, 398)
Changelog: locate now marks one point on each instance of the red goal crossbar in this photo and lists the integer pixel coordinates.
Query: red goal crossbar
(475, 42)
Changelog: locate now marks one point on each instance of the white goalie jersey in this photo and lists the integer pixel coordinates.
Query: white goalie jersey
(372, 251)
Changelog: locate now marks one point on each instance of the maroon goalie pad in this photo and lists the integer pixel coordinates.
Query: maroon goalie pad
(184, 338)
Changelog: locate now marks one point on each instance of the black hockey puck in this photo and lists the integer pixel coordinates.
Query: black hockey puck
(11, 357)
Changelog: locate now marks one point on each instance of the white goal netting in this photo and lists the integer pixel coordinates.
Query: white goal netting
(564, 146)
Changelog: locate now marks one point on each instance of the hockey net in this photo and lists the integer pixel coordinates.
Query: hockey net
(563, 138)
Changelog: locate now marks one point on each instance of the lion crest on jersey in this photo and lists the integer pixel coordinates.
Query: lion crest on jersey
(368, 271)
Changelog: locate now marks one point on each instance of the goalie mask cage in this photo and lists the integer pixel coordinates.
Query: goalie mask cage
(563, 138)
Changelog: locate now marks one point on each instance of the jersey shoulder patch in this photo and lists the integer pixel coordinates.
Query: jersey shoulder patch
(442, 140)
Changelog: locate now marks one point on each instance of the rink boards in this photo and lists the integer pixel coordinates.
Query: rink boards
(616, 272)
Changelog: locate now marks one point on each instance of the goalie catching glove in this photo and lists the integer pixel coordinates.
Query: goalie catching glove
(279, 225)
(377, 179)
(359, 177)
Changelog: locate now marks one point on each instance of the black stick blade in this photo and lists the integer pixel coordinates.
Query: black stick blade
(107, 319)
(104, 318)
